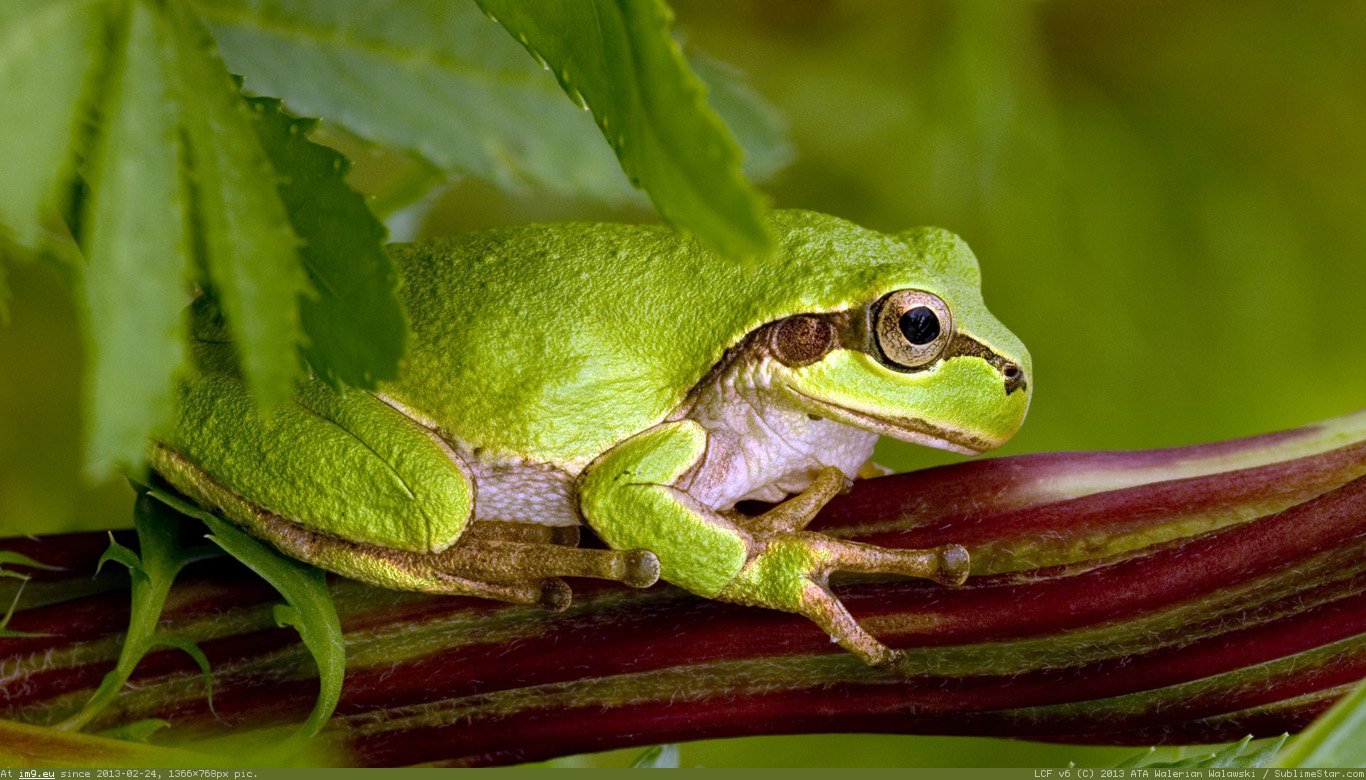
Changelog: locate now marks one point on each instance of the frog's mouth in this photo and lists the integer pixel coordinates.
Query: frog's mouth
(902, 428)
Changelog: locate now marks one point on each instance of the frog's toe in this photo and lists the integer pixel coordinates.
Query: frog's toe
(556, 595)
(639, 568)
(954, 564)
(949, 564)
(891, 660)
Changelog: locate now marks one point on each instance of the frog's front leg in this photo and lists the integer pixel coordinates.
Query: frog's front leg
(630, 500)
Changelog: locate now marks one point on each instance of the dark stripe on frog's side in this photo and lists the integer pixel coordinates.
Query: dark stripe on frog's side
(790, 340)
(804, 339)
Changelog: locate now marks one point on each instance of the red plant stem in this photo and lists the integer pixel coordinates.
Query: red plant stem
(1187, 595)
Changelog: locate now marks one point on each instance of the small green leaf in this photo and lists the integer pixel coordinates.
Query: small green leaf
(356, 327)
(1337, 738)
(49, 51)
(160, 559)
(136, 280)
(119, 554)
(659, 757)
(250, 252)
(619, 59)
(309, 608)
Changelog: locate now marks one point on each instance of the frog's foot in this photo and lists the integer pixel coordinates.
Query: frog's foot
(394, 568)
(516, 562)
(505, 563)
(789, 569)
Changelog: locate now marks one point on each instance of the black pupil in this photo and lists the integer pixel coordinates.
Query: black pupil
(919, 325)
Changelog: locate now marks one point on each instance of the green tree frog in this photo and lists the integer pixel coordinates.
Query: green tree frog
(622, 377)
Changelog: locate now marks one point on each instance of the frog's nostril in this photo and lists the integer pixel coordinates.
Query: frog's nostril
(1015, 378)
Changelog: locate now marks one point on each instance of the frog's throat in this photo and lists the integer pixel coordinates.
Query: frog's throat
(901, 427)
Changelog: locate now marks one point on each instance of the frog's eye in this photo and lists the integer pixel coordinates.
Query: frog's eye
(912, 328)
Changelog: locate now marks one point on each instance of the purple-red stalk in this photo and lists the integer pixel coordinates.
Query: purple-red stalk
(1186, 595)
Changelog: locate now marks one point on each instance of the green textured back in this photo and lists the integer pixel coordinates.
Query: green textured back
(554, 342)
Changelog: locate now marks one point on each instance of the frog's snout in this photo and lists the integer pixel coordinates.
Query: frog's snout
(1014, 376)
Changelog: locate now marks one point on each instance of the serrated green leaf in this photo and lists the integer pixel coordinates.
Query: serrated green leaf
(49, 51)
(659, 757)
(1234, 755)
(119, 554)
(250, 252)
(137, 731)
(619, 58)
(1337, 738)
(160, 559)
(1267, 753)
(433, 77)
(1228, 756)
(438, 79)
(308, 608)
(136, 279)
(356, 327)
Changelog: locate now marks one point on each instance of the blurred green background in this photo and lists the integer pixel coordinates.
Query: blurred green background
(1168, 199)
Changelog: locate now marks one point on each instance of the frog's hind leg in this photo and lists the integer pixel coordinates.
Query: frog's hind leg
(348, 483)
(514, 562)
(509, 563)
(438, 573)
(377, 565)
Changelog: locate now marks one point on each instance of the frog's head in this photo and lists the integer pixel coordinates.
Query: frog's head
(912, 353)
